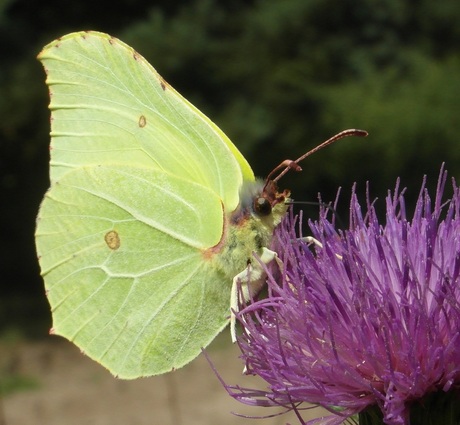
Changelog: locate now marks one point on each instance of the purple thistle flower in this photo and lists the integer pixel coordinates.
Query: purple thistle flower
(370, 320)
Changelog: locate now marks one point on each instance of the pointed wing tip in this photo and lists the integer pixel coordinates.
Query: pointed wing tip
(73, 35)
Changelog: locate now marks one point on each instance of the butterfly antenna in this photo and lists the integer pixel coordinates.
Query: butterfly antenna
(288, 164)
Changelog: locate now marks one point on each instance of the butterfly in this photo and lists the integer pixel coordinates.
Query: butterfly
(153, 216)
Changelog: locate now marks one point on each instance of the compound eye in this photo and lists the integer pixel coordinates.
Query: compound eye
(262, 206)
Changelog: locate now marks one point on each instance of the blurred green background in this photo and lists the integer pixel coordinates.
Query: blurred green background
(277, 76)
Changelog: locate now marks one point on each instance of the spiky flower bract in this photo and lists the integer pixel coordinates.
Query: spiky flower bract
(367, 322)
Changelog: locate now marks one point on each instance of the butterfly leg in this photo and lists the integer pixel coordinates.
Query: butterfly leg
(251, 280)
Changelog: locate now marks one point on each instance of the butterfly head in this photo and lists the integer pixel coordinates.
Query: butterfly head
(260, 200)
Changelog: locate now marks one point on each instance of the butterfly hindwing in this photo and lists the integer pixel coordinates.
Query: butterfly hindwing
(125, 281)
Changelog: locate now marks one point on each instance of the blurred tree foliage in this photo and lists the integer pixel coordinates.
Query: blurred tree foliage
(277, 76)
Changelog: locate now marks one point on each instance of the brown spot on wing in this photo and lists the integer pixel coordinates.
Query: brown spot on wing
(112, 239)
(142, 121)
(164, 85)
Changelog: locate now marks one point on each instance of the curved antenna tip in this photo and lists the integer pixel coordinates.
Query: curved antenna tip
(289, 164)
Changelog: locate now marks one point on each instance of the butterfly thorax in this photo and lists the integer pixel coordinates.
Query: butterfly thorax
(248, 229)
